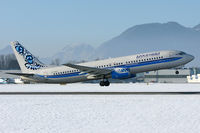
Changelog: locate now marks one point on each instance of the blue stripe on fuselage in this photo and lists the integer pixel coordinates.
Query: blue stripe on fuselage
(124, 66)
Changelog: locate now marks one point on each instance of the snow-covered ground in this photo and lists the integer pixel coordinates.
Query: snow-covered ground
(99, 113)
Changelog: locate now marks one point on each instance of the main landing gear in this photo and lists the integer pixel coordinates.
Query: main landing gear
(104, 83)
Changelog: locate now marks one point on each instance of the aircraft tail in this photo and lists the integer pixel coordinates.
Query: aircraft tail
(27, 62)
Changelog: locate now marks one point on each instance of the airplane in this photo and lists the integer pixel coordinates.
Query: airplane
(113, 68)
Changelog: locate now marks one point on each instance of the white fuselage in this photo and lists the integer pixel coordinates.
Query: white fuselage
(136, 63)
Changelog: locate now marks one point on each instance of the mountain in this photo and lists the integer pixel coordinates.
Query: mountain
(7, 50)
(77, 53)
(153, 37)
(197, 27)
(70, 53)
(137, 39)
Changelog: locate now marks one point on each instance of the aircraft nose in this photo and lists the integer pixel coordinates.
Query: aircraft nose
(190, 57)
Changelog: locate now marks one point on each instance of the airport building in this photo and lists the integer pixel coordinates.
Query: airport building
(195, 77)
(167, 76)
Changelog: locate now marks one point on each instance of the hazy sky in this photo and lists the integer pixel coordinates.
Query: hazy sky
(46, 26)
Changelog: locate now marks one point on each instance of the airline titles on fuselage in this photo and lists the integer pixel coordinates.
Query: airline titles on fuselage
(147, 55)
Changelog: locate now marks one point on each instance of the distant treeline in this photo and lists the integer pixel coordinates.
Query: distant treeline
(8, 62)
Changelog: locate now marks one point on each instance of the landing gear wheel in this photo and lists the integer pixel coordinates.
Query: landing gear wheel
(104, 83)
(107, 83)
(101, 83)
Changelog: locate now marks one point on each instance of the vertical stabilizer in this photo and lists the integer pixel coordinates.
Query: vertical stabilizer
(27, 62)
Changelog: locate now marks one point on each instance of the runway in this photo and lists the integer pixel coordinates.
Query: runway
(93, 89)
(101, 93)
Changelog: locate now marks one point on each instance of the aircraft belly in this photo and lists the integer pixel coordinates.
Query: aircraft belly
(73, 79)
(68, 79)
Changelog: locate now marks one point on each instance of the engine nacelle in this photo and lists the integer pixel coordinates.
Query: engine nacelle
(121, 73)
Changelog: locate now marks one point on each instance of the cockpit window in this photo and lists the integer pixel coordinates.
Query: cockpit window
(181, 53)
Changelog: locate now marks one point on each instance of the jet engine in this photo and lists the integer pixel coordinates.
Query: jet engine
(121, 73)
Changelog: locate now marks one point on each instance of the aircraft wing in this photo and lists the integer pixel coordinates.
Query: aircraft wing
(90, 70)
(22, 74)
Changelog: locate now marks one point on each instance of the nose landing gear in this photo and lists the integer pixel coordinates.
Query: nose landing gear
(104, 83)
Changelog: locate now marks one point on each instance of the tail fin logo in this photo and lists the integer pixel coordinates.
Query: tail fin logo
(31, 61)
(19, 49)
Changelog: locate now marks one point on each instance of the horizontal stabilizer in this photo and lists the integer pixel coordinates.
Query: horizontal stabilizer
(22, 74)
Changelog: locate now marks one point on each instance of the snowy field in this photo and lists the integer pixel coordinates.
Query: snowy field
(100, 114)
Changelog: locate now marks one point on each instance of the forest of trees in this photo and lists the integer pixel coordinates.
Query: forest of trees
(8, 62)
